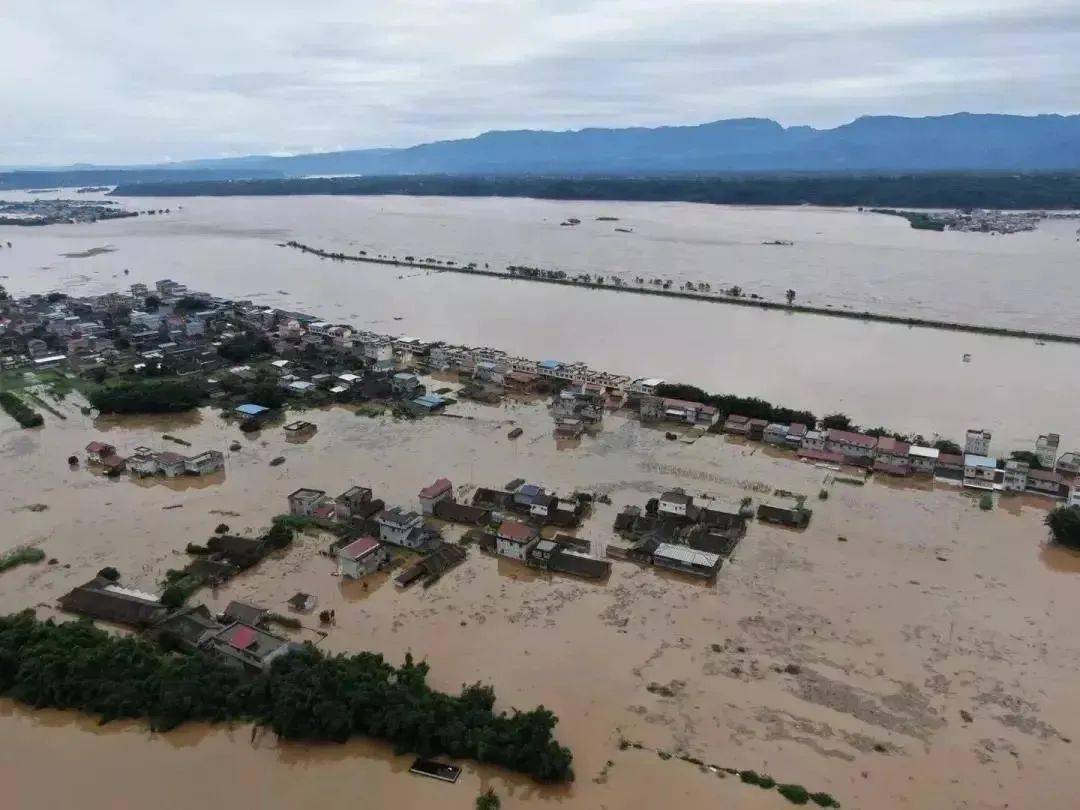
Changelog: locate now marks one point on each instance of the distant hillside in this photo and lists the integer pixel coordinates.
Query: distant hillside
(960, 142)
(937, 190)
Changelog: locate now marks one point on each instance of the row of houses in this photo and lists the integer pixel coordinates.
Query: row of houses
(145, 462)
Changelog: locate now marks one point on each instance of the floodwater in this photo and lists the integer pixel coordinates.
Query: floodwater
(931, 606)
(880, 374)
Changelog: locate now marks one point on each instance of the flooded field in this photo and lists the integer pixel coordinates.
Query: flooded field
(911, 380)
(928, 660)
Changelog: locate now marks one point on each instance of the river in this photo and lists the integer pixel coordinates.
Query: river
(906, 379)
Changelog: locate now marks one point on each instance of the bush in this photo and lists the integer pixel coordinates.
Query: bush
(824, 800)
(750, 777)
(766, 781)
(986, 502)
(19, 556)
(1064, 525)
(109, 573)
(222, 528)
(22, 413)
(488, 800)
(796, 794)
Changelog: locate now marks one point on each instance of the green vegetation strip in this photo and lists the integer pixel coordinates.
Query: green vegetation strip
(306, 695)
(19, 410)
(19, 556)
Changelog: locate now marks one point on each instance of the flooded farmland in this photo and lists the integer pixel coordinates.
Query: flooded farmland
(926, 660)
(911, 380)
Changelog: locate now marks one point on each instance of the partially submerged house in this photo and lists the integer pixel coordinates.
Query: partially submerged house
(515, 540)
(406, 529)
(205, 463)
(246, 647)
(432, 566)
(360, 557)
(980, 472)
(686, 560)
(104, 599)
(304, 501)
(785, 512)
(441, 490)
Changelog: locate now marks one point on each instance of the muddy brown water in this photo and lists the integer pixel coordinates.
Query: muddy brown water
(912, 380)
(930, 607)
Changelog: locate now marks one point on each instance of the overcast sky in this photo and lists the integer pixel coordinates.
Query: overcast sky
(109, 81)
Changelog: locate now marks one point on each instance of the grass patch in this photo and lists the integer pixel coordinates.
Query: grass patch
(22, 413)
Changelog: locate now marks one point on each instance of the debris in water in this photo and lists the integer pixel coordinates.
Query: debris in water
(274, 462)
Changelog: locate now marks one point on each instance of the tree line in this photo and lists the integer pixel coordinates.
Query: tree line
(305, 695)
(911, 190)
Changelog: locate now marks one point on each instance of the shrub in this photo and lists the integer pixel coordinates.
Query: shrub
(824, 800)
(986, 502)
(488, 800)
(750, 777)
(22, 413)
(18, 556)
(796, 794)
(1064, 525)
(766, 781)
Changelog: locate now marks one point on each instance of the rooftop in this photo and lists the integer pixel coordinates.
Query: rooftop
(360, 547)
(982, 462)
(687, 555)
(518, 532)
(438, 488)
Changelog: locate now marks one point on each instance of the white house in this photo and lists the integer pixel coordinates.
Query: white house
(1016, 476)
(362, 556)
(979, 471)
(401, 528)
(441, 490)
(515, 540)
(977, 442)
(675, 502)
(1046, 449)
(923, 459)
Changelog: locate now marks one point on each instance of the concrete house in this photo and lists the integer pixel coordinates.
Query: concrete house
(1046, 449)
(543, 505)
(143, 462)
(675, 502)
(401, 528)
(923, 459)
(515, 540)
(737, 424)
(775, 433)
(1068, 464)
(785, 513)
(405, 384)
(977, 442)
(171, 464)
(97, 452)
(814, 440)
(247, 647)
(687, 560)
(354, 500)
(893, 456)
(209, 461)
(360, 557)
(1047, 482)
(979, 471)
(304, 501)
(658, 409)
(441, 490)
(850, 444)
(1016, 476)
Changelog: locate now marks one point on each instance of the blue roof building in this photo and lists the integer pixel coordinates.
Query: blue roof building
(251, 410)
(549, 364)
(429, 402)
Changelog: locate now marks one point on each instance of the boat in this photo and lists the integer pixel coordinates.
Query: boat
(513, 434)
(967, 358)
(436, 770)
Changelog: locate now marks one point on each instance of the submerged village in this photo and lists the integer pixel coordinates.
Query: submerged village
(168, 349)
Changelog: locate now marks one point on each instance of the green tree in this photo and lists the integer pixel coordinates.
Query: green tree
(1064, 525)
(790, 295)
(488, 800)
(837, 421)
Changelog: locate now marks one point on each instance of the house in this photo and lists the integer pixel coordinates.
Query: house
(1047, 482)
(723, 517)
(171, 464)
(1068, 464)
(441, 490)
(1074, 493)
(301, 602)
(143, 462)
(813, 440)
(515, 540)
(737, 424)
(524, 494)
(893, 456)
(433, 565)
(1046, 449)
(795, 434)
(950, 467)
(355, 501)
(568, 428)
(251, 412)
(190, 627)
(401, 528)
(541, 552)
(299, 431)
(105, 600)
(362, 556)
(853, 446)
(657, 409)
(429, 403)
(686, 560)
(97, 452)
(206, 462)
(245, 613)
(453, 512)
(785, 513)
(247, 647)
(645, 386)
(1016, 476)
(565, 560)
(405, 384)
(304, 501)
(755, 429)
(543, 505)
(300, 388)
(977, 442)
(675, 502)
(923, 459)
(979, 471)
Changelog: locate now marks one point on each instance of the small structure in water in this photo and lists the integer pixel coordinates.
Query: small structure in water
(300, 431)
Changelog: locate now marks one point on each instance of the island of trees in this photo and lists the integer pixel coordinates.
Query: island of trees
(306, 695)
